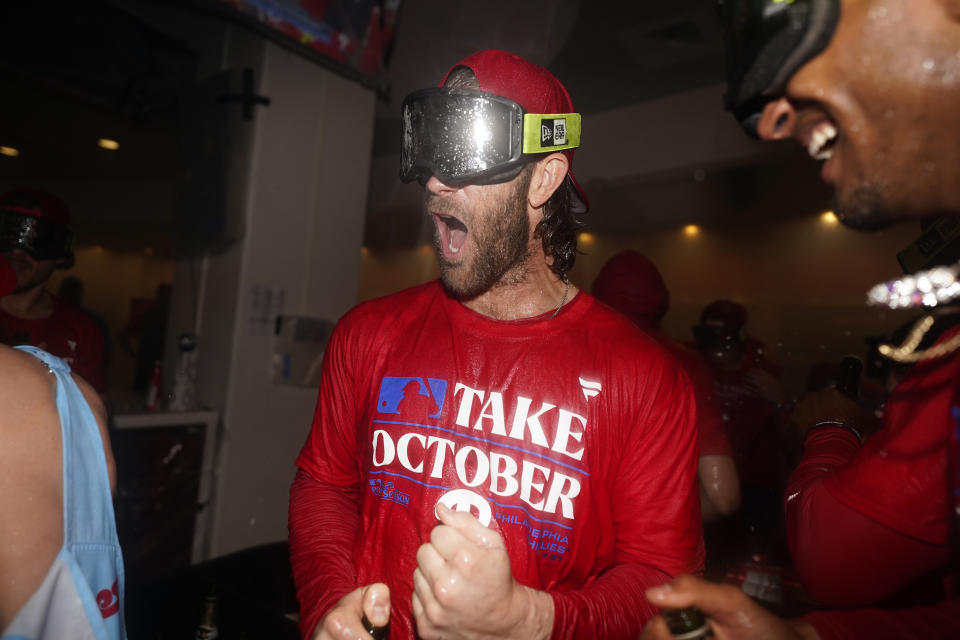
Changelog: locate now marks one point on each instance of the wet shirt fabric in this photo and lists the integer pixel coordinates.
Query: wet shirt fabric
(896, 492)
(81, 596)
(573, 435)
(68, 333)
(899, 477)
(897, 483)
(711, 430)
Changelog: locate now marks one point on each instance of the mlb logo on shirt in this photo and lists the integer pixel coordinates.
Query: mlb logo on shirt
(412, 397)
(553, 133)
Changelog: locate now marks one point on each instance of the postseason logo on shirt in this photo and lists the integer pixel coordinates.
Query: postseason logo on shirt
(514, 448)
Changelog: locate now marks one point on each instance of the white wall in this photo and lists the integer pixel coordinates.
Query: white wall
(302, 196)
(306, 193)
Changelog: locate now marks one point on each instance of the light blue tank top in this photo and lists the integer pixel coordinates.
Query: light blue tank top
(81, 596)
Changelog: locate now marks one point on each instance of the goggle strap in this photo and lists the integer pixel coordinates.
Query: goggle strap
(549, 132)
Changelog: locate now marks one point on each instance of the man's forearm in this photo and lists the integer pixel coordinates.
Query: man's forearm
(324, 523)
(613, 606)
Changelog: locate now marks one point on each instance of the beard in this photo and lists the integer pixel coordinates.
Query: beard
(864, 209)
(501, 243)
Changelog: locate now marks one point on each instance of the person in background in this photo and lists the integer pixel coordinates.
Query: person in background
(71, 291)
(145, 335)
(870, 87)
(630, 283)
(36, 238)
(552, 475)
(61, 567)
(751, 398)
(747, 389)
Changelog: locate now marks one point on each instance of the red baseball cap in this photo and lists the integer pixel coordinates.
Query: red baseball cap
(630, 283)
(8, 278)
(533, 88)
(36, 203)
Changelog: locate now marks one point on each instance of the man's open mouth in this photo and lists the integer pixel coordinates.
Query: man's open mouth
(822, 140)
(452, 232)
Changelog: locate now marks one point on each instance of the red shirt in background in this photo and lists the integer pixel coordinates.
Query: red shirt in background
(711, 431)
(751, 421)
(864, 524)
(68, 332)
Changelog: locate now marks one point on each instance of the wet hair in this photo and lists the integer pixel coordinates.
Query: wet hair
(559, 228)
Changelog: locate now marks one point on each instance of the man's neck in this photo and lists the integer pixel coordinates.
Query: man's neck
(32, 304)
(524, 292)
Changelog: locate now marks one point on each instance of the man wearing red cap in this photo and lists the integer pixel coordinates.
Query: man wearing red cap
(493, 454)
(36, 238)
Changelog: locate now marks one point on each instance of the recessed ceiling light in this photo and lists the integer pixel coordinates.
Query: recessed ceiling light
(107, 143)
(829, 218)
(9, 152)
(691, 230)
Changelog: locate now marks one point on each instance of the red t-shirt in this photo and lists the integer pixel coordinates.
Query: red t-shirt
(68, 332)
(899, 477)
(865, 523)
(576, 433)
(711, 431)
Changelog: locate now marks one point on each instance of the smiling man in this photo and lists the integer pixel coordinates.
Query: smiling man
(871, 88)
(494, 454)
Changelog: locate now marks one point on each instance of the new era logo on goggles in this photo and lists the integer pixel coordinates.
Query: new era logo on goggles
(38, 238)
(471, 137)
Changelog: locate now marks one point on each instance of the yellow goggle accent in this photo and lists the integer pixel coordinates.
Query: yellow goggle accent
(549, 132)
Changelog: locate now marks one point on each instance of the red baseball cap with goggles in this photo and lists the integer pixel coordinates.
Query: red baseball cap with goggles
(487, 136)
(37, 223)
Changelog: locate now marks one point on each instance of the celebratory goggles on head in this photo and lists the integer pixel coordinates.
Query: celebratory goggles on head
(471, 137)
(40, 239)
(766, 42)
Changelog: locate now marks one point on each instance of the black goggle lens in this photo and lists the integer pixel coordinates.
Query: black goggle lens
(766, 42)
(40, 239)
(461, 137)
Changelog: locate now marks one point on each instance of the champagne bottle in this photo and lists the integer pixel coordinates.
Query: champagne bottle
(377, 633)
(687, 623)
(207, 629)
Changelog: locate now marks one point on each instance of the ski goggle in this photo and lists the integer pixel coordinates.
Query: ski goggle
(766, 42)
(717, 338)
(38, 238)
(471, 137)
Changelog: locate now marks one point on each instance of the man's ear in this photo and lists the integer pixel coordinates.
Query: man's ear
(548, 175)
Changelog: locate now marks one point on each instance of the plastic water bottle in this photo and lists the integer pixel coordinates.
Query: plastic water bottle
(184, 395)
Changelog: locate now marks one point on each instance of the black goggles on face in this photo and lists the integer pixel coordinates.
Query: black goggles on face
(717, 338)
(766, 42)
(471, 137)
(38, 238)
